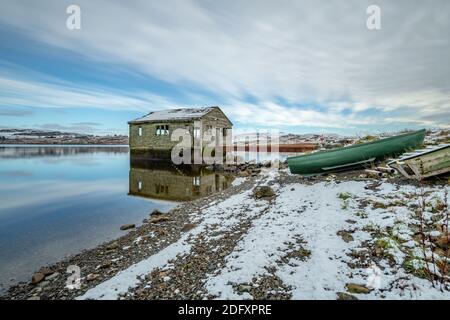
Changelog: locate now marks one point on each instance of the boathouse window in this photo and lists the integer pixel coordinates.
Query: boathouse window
(196, 181)
(162, 130)
(140, 131)
(159, 188)
(197, 133)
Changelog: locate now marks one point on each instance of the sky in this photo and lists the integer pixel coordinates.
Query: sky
(296, 66)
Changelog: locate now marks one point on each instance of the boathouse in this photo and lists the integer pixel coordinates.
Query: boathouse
(151, 135)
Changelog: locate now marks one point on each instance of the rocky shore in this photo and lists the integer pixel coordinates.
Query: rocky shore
(101, 263)
(273, 235)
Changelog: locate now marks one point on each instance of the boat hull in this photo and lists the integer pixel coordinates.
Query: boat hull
(424, 165)
(346, 157)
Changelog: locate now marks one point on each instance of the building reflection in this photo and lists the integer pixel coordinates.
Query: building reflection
(165, 181)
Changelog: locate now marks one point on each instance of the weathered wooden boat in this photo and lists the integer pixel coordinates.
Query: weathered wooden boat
(346, 158)
(425, 163)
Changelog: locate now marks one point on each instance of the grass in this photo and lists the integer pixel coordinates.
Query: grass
(345, 196)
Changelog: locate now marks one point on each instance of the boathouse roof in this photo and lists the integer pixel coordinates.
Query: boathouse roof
(182, 114)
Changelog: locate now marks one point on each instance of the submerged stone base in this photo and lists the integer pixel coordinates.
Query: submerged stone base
(166, 154)
(152, 154)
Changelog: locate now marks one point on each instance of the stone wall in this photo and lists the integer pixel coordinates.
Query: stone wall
(159, 146)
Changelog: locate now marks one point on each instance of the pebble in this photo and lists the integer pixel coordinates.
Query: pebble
(188, 227)
(52, 276)
(357, 288)
(127, 226)
(37, 277)
(345, 296)
(113, 246)
(92, 276)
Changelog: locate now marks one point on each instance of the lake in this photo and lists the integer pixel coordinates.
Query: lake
(58, 200)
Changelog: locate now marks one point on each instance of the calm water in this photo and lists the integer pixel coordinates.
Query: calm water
(56, 201)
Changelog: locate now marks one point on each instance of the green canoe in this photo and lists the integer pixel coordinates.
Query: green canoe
(356, 155)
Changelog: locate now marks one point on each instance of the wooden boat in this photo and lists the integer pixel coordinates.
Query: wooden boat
(425, 163)
(355, 155)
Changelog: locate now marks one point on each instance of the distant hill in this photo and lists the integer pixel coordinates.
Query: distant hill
(33, 136)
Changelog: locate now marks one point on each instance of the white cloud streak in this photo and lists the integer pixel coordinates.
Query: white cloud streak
(303, 52)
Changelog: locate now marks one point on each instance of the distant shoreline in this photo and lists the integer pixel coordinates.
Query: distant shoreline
(41, 137)
(61, 145)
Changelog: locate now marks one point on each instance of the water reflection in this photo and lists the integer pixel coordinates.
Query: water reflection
(164, 181)
(30, 151)
(58, 200)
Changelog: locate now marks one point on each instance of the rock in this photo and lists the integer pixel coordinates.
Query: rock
(37, 277)
(379, 251)
(43, 284)
(92, 276)
(113, 246)
(36, 291)
(34, 298)
(244, 174)
(357, 288)
(45, 271)
(159, 218)
(244, 288)
(345, 296)
(263, 192)
(188, 226)
(145, 221)
(443, 242)
(345, 235)
(127, 226)
(156, 212)
(231, 167)
(163, 274)
(105, 265)
(52, 276)
(161, 232)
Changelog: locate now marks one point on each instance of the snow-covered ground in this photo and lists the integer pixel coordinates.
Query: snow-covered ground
(317, 239)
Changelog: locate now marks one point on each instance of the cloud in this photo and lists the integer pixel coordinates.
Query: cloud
(94, 124)
(15, 113)
(46, 92)
(300, 52)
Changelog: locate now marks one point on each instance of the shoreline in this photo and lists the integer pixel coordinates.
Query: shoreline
(302, 238)
(60, 145)
(111, 257)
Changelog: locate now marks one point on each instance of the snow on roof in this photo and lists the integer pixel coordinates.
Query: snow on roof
(174, 114)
